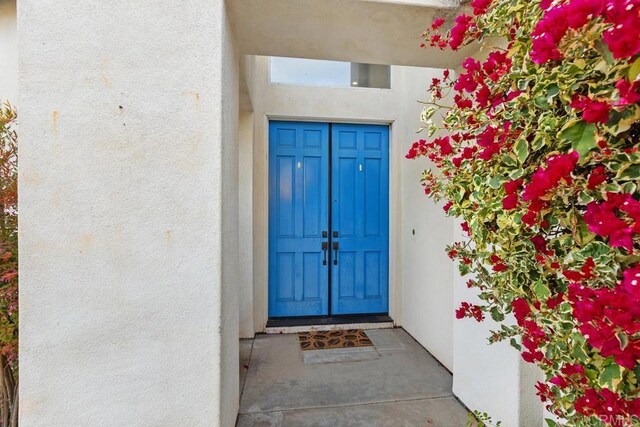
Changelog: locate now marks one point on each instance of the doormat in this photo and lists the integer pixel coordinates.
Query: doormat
(326, 340)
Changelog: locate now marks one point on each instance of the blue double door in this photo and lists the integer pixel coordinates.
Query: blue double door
(328, 219)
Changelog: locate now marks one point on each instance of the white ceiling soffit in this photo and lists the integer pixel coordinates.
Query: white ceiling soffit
(375, 31)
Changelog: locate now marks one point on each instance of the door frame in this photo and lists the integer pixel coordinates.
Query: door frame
(261, 214)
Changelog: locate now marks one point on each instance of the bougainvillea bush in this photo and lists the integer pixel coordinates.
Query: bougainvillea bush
(541, 162)
(8, 268)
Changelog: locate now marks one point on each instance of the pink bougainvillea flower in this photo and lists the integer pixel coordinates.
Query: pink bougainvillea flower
(631, 281)
(461, 102)
(606, 313)
(556, 22)
(521, 310)
(459, 31)
(445, 145)
(480, 6)
(587, 268)
(629, 93)
(510, 202)
(622, 36)
(437, 23)
(592, 111)
(544, 179)
(597, 177)
(545, 4)
(512, 186)
(469, 310)
(498, 265)
(603, 219)
(579, 12)
(553, 302)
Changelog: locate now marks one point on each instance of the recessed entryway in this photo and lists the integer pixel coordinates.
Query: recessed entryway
(328, 219)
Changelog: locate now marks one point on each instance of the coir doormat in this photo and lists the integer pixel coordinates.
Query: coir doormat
(326, 340)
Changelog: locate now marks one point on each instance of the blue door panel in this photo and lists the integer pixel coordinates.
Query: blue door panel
(300, 177)
(298, 213)
(360, 215)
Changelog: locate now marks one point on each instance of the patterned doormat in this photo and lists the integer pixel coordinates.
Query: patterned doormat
(326, 340)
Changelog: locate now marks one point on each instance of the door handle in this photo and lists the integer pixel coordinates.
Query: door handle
(325, 246)
(336, 246)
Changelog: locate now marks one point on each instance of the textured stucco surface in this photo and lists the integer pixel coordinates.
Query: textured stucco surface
(377, 32)
(245, 225)
(427, 291)
(8, 52)
(121, 177)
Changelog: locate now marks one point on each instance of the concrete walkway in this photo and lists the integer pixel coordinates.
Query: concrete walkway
(394, 383)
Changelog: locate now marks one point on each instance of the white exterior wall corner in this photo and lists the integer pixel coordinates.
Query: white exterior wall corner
(121, 227)
(245, 225)
(229, 201)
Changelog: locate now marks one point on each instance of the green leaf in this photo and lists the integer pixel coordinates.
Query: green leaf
(541, 290)
(496, 314)
(541, 102)
(552, 90)
(634, 70)
(623, 339)
(595, 250)
(592, 374)
(610, 376)
(582, 136)
(629, 172)
(522, 149)
(515, 344)
(495, 182)
(602, 47)
(523, 84)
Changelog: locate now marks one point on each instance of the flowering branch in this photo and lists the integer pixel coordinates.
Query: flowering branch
(541, 163)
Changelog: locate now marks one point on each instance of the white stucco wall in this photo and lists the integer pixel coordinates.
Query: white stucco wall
(228, 198)
(491, 378)
(427, 279)
(245, 214)
(127, 312)
(8, 52)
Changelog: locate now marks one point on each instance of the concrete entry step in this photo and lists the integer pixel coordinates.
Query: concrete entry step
(394, 383)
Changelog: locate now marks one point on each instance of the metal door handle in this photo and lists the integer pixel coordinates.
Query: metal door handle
(336, 246)
(325, 246)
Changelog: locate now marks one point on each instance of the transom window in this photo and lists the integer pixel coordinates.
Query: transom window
(315, 72)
